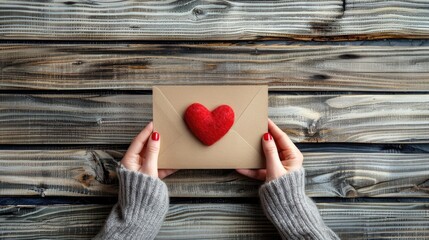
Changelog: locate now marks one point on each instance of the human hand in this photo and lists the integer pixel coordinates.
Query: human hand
(281, 155)
(142, 155)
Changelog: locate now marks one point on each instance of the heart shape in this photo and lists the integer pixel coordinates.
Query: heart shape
(208, 126)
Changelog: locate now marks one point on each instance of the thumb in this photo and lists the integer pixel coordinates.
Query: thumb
(274, 166)
(150, 160)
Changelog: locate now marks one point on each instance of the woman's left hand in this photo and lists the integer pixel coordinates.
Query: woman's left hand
(281, 155)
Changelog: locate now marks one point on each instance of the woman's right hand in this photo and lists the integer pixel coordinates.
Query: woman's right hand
(281, 155)
(142, 154)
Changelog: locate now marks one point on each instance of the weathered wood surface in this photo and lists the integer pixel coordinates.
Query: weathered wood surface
(286, 68)
(329, 174)
(352, 118)
(213, 20)
(58, 172)
(117, 118)
(218, 221)
(163, 20)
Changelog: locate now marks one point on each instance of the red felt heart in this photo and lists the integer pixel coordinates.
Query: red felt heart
(208, 126)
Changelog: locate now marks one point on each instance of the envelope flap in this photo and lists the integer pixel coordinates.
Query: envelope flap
(210, 96)
(256, 111)
(232, 151)
(166, 119)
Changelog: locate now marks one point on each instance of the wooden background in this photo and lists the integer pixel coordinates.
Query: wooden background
(348, 81)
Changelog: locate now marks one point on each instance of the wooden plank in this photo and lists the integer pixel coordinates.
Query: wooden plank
(219, 221)
(352, 118)
(213, 20)
(367, 19)
(285, 68)
(329, 174)
(58, 173)
(117, 118)
(165, 20)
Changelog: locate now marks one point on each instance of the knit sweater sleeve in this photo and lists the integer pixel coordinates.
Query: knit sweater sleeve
(293, 213)
(140, 210)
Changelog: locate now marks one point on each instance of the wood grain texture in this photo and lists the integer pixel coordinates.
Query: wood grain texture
(165, 20)
(213, 20)
(352, 118)
(58, 173)
(218, 221)
(89, 173)
(285, 68)
(117, 118)
(367, 19)
(328, 174)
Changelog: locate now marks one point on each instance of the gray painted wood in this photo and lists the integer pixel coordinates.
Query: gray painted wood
(117, 118)
(213, 20)
(285, 68)
(88, 173)
(218, 221)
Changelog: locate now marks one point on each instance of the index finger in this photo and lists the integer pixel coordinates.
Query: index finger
(280, 137)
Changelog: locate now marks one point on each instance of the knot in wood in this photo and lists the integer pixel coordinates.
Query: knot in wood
(256, 52)
(319, 77)
(85, 179)
(99, 121)
(313, 128)
(352, 193)
(78, 62)
(349, 56)
(40, 191)
(197, 11)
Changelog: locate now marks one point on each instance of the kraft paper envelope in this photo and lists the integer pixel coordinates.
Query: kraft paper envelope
(239, 148)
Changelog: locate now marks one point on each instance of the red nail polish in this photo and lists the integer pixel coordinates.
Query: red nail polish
(267, 137)
(155, 136)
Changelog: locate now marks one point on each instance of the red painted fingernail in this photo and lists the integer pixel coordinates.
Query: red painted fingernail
(267, 137)
(155, 136)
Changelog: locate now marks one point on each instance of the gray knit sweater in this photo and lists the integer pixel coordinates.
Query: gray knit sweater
(293, 213)
(141, 208)
(143, 204)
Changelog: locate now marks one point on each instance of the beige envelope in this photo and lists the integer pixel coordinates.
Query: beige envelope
(239, 148)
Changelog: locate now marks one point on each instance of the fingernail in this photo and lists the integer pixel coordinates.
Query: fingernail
(267, 137)
(155, 136)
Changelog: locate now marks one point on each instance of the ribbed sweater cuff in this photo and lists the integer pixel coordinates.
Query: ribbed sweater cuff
(140, 192)
(142, 205)
(293, 213)
(290, 186)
